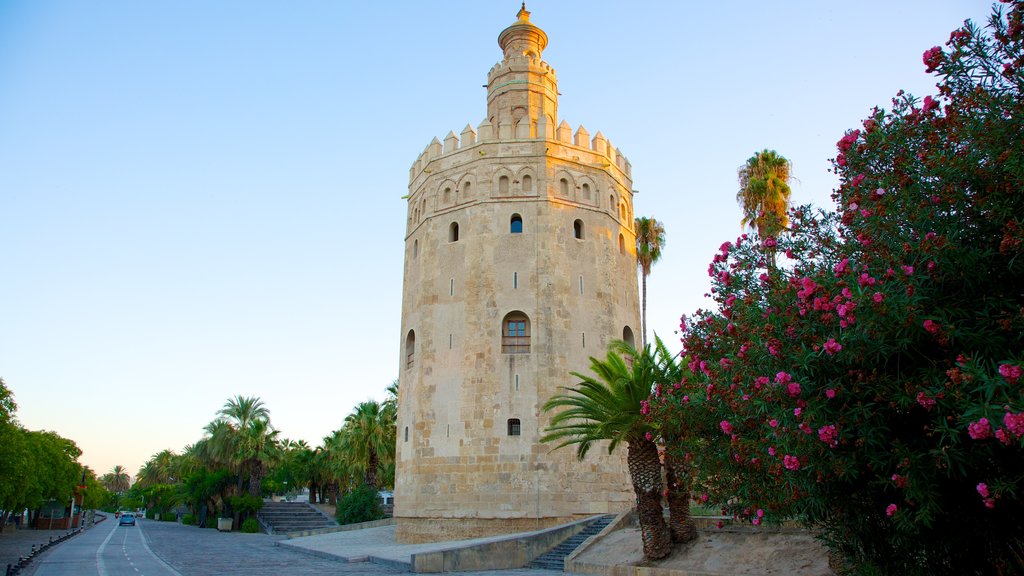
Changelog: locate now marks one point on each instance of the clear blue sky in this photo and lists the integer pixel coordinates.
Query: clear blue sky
(202, 199)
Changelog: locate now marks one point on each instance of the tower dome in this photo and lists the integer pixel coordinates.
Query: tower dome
(522, 38)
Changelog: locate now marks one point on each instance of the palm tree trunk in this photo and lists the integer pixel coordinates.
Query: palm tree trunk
(643, 310)
(645, 472)
(677, 476)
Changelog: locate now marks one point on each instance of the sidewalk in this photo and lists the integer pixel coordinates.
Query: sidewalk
(18, 544)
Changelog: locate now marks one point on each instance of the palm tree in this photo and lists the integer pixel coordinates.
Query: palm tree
(117, 480)
(764, 192)
(608, 407)
(257, 449)
(369, 436)
(244, 410)
(650, 239)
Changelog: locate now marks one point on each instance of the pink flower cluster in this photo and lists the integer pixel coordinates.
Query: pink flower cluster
(791, 462)
(890, 510)
(932, 57)
(929, 104)
(986, 498)
(829, 435)
(931, 326)
(979, 430)
(726, 427)
(926, 402)
(1010, 372)
(831, 346)
(848, 140)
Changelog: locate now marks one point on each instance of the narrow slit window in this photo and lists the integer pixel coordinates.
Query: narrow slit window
(517, 382)
(406, 433)
(581, 283)
(451, 287)
(584, 335)
(515, 280)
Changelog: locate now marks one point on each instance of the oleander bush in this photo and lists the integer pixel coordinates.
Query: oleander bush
(862, 372)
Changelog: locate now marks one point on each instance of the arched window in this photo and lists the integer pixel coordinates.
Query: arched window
(627, 336)
(514, 427)
(563, 187)
(453, 232)
(410, 349)
(503, 186)
(517, 224)
(611, 204)
(515, 334)
(586, 191)
(577, 229)
(527, 183)
(622, 212)
(622, 244)
(466, 192)
(447, 195)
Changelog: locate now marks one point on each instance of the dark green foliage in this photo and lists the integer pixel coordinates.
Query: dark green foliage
(188, 520)
(360, 505)
(251, 526)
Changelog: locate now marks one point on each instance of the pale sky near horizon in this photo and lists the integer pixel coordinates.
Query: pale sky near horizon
(203, 199)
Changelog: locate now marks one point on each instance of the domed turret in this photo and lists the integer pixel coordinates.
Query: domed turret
(522, 38)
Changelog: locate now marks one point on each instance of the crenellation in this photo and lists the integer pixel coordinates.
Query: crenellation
(451, 143)
(468, 137)
(599, 144)
(564, 133)
(582, 138)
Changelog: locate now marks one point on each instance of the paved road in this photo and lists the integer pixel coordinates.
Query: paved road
(168, 549)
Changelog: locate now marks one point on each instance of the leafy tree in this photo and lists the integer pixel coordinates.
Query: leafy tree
(369, 438)
(764, 192)
(117, 480)
(872, 386)
(610, 406)
(650, 239)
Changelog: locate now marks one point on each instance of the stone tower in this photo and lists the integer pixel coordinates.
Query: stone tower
(520, 264)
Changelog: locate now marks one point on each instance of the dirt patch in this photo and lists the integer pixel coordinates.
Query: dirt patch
(716, 552)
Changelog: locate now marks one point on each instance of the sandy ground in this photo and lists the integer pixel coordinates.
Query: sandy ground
(719, 552)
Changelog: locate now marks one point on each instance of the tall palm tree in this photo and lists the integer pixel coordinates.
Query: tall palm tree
(608, 407)
(257, 449)
(650, 239)
(117, 480)
(764, 192)
(244, 410)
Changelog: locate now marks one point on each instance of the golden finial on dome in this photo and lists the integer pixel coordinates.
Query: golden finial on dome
(523, 14)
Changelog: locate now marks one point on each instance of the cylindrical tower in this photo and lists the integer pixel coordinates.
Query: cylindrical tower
(520, 264)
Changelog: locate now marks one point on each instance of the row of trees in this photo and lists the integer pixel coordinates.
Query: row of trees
(242, 458)
(37, 467)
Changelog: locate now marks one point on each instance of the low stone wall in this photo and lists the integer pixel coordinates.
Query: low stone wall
(424, 530)
(512, 552)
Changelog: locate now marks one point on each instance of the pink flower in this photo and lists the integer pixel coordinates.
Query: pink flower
(645, 408)
(908, 270)
(848, 140)
(760, 381)
(782, 378)
(842, 267)
(649, 437)
(879, 192)
(769, 242)
(793, 389)
(755, 521)
(1014, 423)
(932, 57)
(704, 497)
(797, 412)
(899, 481)
(925, 402)
(830, 393)
(931, 326)
(1003, 437)
(990, 503)
(771, 451)
(1011, 372)
(929, 104)
(773, 423)
(808, 288)
(866, 279)
(831, 346)
(982, 489)
(979, 430)
(878, 297)
(890, 510)
(791, 462)
(828, 435)
(726, 427)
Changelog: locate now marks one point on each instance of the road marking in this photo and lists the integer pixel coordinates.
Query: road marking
(101, 566)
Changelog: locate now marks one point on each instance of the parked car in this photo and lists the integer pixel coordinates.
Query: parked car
(127, 519)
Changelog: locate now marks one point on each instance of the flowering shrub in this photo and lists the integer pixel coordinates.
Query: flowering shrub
(868, 382)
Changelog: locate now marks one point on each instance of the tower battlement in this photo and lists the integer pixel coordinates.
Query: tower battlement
(597, 147)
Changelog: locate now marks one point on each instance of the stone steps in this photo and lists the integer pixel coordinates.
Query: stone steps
(554, 559)
(285, 517)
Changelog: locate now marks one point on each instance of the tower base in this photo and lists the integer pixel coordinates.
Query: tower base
(421, 530)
